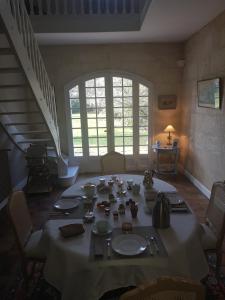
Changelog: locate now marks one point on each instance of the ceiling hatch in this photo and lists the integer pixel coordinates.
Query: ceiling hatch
(63, 16)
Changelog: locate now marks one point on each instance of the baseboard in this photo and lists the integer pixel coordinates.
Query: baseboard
(198, 184)
(18, 187)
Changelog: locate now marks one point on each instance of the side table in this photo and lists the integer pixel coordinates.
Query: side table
(166, 159)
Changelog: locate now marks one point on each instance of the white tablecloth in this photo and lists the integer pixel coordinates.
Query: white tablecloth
(69, 270)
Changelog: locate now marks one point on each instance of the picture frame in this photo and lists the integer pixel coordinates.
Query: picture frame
(167, 102)
(209, 93)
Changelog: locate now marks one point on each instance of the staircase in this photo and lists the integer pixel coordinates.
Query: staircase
(27, 99)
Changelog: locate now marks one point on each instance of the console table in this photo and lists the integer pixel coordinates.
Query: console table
(166, 159)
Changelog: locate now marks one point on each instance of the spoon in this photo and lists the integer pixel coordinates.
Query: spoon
(108, 243)
(153, 239)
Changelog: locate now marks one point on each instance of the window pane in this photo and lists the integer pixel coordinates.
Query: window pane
(102, 132)
(143, 90)
(143, 101)
(128, 141)
(117, 92)
(143, 111)
(127, 91)
(92, 132)
(75, 114)
(127, 102)
(128, 150)
(90, 103)
(90, 92)
(92, 123)
(102, 150)
(143, 121)
(100, 81)
(128, 121)
(74, 104)
(118, 122)
(128, 112)
(92, 141)
(77, 142)
(90, 83)
(118, 112)
(127, 82)
(143, 149)
(93, 151)
(76, 132)
(78, 151)
(74, 92)
(102, 142)
(117, 102)
(143, 130)
(119, 149)
(101, 122)
(118, 131)
(100, 102)
(143, 140)
(128, 131)
(117, 81)
(101, 112)
(100, 92)
(118, 141)
(91, 113)
(76, 123)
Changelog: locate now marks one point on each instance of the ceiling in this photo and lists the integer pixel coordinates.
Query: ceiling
(165, 21)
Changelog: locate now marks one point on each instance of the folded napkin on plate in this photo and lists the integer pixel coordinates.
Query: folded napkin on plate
(71, 230)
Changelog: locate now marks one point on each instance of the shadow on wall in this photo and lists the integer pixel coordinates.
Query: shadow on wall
(17, 162)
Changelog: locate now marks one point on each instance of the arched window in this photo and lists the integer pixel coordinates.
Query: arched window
(107, 112)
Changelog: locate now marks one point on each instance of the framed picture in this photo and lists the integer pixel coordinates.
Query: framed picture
(167, 102)
(209, 93)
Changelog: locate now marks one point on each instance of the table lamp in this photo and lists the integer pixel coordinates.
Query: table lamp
(169, 129)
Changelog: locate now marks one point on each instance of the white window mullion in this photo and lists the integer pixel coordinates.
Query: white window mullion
(136, 117)
(84, 120)
(109, 112)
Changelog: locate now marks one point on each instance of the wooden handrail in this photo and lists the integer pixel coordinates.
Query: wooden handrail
(17, 23)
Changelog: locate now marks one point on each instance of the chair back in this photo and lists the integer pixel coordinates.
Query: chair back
(215, 214)
(112, 163)
(20, 218)
(167, 288)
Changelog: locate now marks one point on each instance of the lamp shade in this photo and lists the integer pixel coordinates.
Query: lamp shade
(169, 128)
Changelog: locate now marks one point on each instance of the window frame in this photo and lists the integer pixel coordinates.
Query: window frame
(108, 74)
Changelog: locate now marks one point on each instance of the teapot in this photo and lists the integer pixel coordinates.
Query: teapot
(161, 212)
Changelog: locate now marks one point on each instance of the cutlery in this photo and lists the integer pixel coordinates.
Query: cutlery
(149, 245)
(153, 239)
(108, 244)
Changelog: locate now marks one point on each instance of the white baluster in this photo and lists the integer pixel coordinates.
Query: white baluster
(65, 8)
(31, 7)
(90, 7)
(82, 12)
(49, 8)
(73, 3)
(40, 9)
(56, 7)
(107, 3)
(123, 6)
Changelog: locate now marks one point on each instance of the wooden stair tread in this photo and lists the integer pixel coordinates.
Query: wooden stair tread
(10, 70)
(15, 100)
(30, 141)
(18, 112)
(19, 85)
(24, 123)
(30, 132)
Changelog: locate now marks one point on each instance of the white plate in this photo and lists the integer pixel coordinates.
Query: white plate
(95, 230)
(129, 244)
(66, 203)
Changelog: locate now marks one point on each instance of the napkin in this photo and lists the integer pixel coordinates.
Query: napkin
(71, 230)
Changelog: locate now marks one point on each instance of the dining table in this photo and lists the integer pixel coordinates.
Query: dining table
(76, 274)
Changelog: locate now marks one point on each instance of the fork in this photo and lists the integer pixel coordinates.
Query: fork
(108, 245)
(148, 239)
(153, 239)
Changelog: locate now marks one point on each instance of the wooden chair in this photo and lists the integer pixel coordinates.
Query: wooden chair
(167, 288)
(113, 163)
(30, 243)
(213, 230)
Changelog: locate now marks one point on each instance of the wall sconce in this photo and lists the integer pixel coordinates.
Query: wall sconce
(169, 129)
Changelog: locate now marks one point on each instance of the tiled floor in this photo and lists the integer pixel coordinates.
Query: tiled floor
(41, 204)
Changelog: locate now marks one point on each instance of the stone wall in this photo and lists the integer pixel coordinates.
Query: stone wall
(156, 63)
(203, 129)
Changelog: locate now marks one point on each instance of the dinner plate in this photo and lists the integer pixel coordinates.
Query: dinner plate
(66, 203)
(95, 230)
(129, 244)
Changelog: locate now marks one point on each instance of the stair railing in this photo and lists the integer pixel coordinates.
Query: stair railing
(16, 21)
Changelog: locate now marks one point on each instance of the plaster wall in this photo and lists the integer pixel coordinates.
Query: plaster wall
(156, 63)
(202, 136)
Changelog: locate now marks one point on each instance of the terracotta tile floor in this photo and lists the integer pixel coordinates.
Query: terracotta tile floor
(39, 206)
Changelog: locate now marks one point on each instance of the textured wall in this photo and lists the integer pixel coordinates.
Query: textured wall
(203, 135)
(154, 62)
